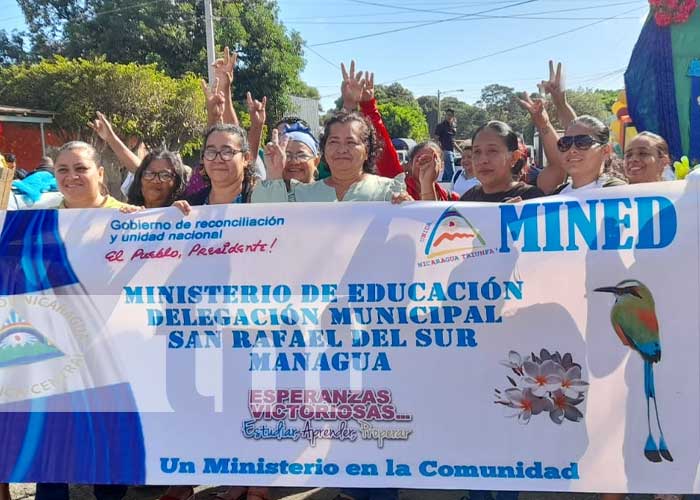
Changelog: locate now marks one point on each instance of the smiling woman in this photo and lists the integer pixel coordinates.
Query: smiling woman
(80, 176)
(350, 147)
(159, 180)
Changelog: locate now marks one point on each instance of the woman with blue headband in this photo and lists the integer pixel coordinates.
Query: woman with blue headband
(302, 155)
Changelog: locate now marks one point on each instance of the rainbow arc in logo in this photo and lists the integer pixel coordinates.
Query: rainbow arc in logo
(22, 344)
(453, 233)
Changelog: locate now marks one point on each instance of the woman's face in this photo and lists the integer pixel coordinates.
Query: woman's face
(78, 177)
(643, 162)
(492, 162)
(157, 183)
(584, 163)
(467, 162)
(301, 163)
(229, 169)
(344, 151)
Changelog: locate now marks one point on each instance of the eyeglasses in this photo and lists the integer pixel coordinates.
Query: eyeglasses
(163, 176)
(582, 142)
(292, 157)
(226, 154)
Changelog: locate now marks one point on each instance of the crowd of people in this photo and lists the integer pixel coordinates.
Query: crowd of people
(352, 160)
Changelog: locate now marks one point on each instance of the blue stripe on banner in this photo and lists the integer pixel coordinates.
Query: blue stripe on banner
(34, 255)
(98, 432)
(32, 438)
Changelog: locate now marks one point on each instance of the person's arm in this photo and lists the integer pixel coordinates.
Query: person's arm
(104, 130)
(556, 88)
(223, 70)
(215, 103)
(258, 116)
(553, 174)
(355, 88)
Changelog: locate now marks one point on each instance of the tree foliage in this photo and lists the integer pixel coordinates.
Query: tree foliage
(404, 121)
(170, 34)
(140, 101)
(395, 94)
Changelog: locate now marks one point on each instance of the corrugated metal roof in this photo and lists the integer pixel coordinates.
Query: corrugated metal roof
(15, 111)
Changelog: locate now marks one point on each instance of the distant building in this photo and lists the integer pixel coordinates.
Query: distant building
(24, 133)
(306, 108)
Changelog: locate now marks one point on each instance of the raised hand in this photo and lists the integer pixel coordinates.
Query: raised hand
(215, 102)
(223, 67)
(276, 156)
(256, 109)
(429, 167)
(102, 127)
(555, 85)
(537, 110)
(368, 91)
(352, 87)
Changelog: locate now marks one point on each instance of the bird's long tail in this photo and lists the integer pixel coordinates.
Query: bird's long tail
(650, 392)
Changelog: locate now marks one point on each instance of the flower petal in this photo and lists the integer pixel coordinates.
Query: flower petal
(572, 413)
(531, 368)
(557, 415)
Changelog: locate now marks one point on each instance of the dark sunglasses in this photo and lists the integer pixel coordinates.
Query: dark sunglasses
(582, 142)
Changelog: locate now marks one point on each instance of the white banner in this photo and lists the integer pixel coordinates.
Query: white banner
(549, 346)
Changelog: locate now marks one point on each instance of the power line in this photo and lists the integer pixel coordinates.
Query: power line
(396, 30)
(329, 23)
(374, 14)
(511, 49)
(336, 66)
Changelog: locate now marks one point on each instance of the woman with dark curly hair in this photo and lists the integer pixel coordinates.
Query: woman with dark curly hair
(350, 147)
(159, 181)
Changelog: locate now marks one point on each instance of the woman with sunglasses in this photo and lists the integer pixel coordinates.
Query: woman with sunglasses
(159, 180)
(584, 150)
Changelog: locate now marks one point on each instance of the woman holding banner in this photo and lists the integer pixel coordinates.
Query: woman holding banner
(230, 178)
(95, 417)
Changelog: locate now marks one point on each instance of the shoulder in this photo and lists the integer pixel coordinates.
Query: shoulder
(609, 181)
(474, 194)
(198, 198)
(527, 192)
(113, 203)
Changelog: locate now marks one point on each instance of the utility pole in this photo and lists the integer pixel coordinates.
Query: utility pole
(209, 31)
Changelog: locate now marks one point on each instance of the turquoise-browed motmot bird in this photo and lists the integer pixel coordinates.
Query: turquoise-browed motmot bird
(634, 320)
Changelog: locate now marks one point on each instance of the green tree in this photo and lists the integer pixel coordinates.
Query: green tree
(171, 35)
(469, 117)
(404, 121)
(395, 94)
(140, 101)
(500, 103)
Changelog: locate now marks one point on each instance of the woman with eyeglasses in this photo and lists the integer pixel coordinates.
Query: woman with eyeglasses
(584, 150)
(227, 172)
(349, 146)
(302, 155)
(229, 178)
(159, 180)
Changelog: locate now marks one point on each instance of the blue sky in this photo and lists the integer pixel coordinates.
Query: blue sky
(473, 38)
